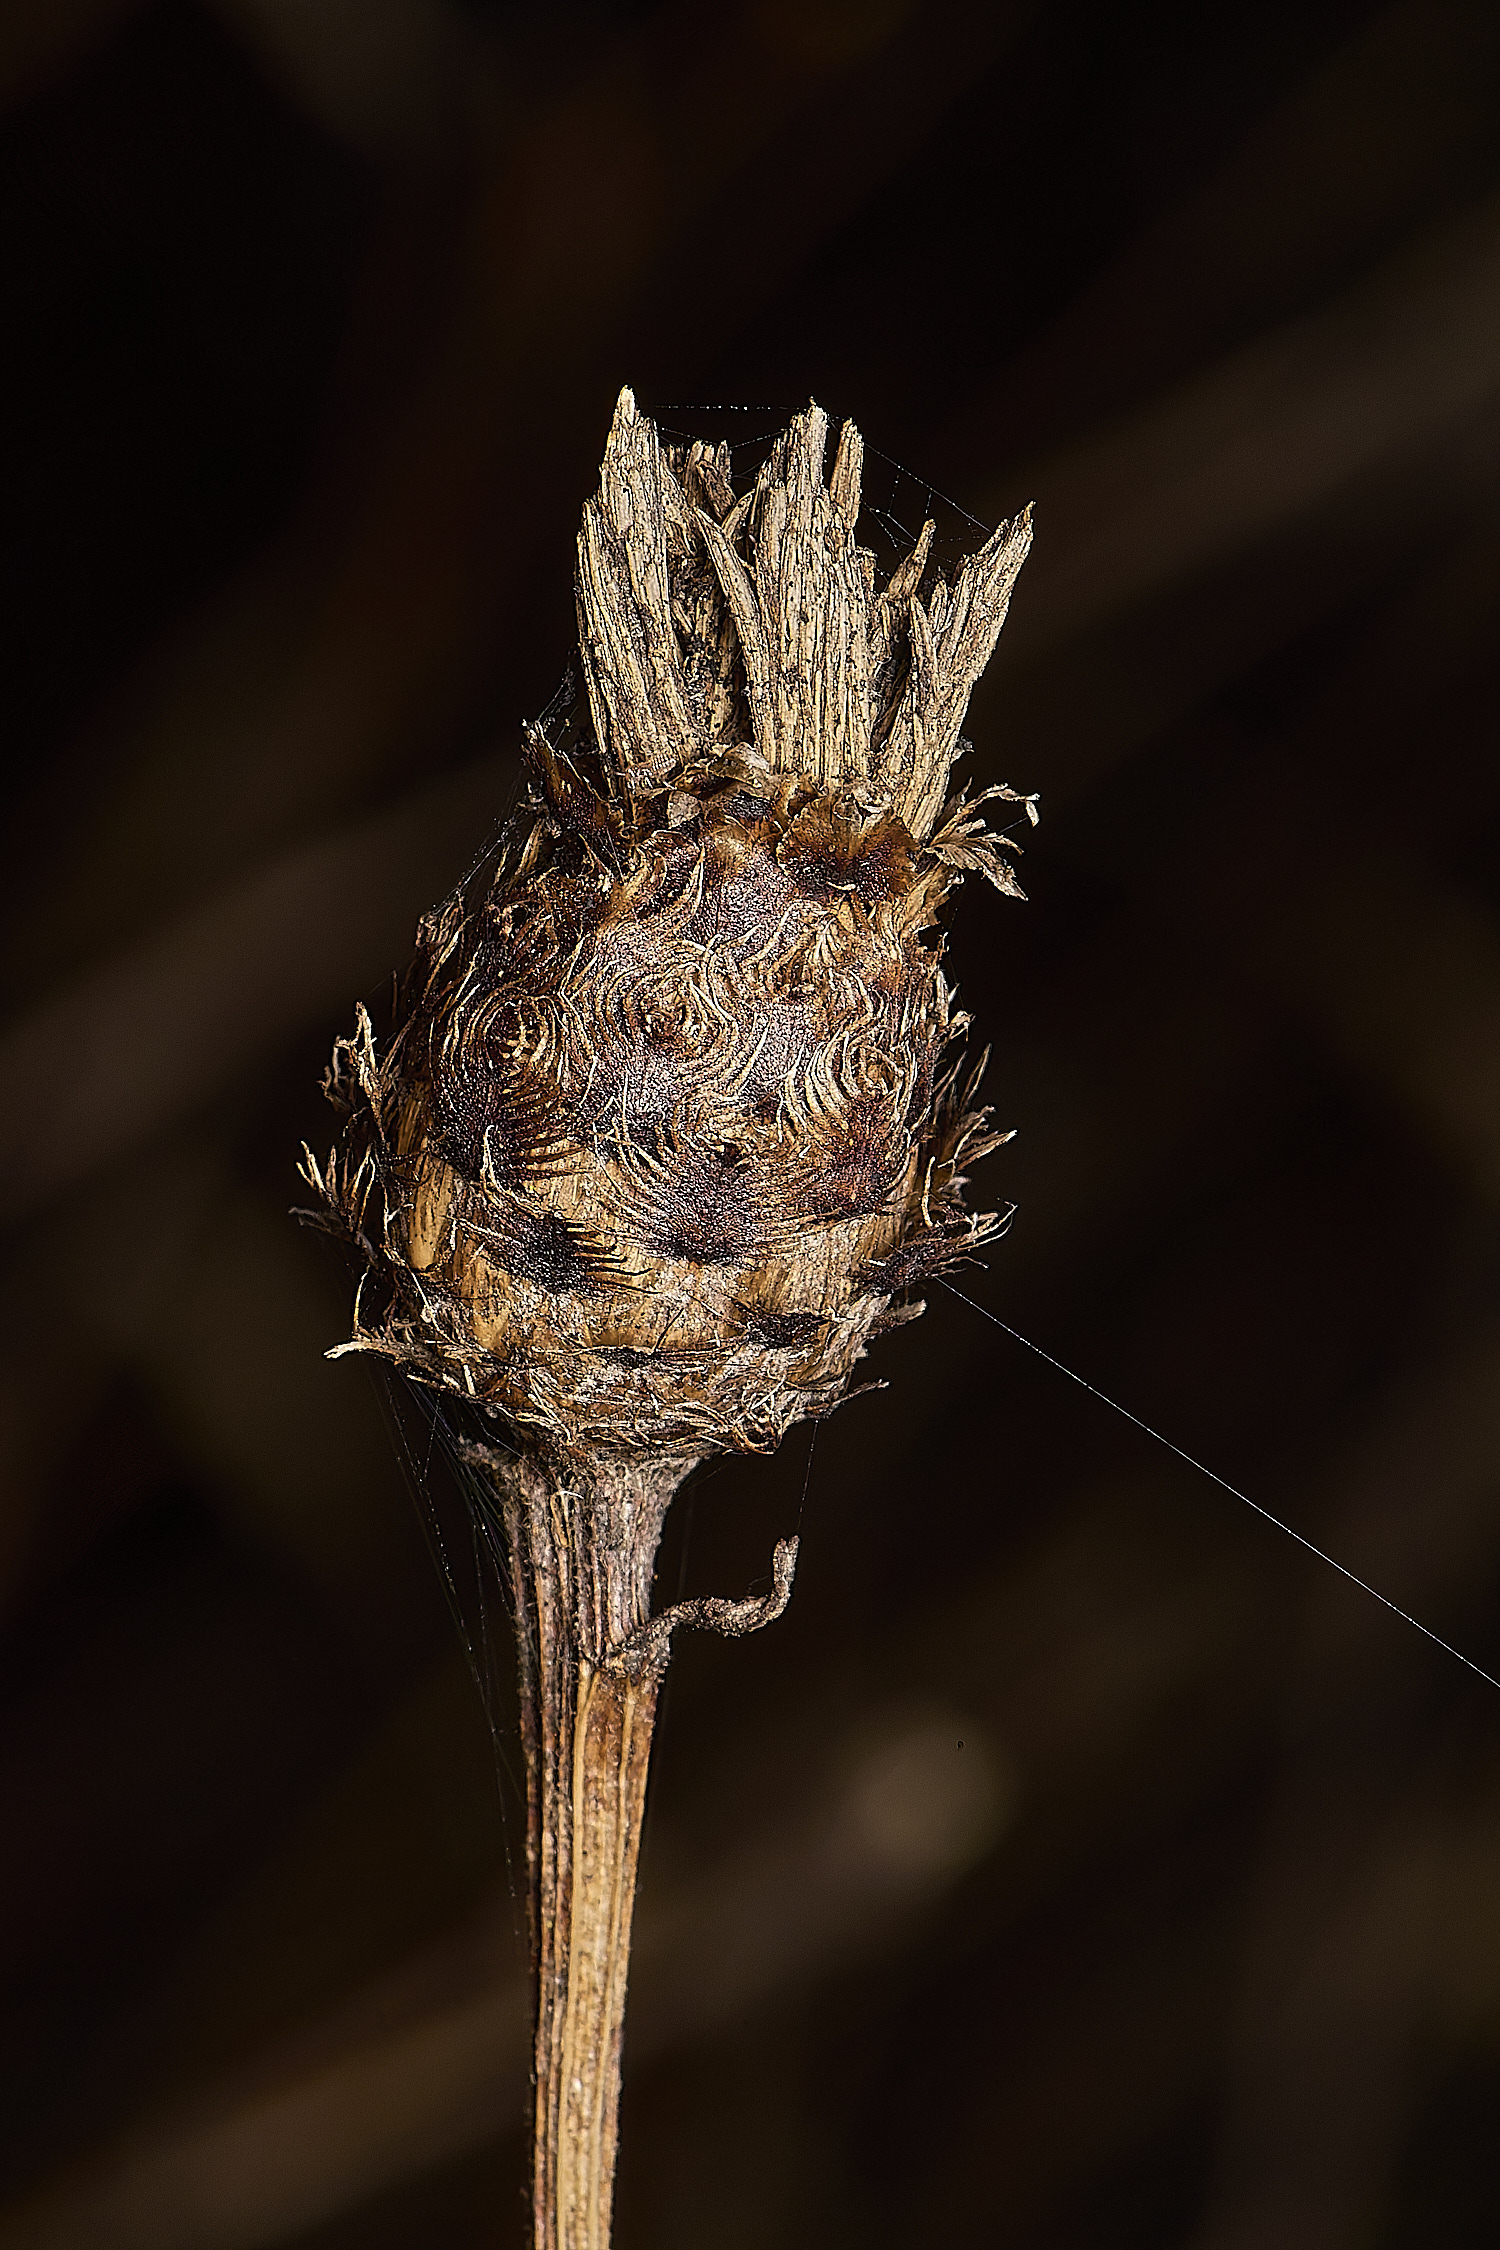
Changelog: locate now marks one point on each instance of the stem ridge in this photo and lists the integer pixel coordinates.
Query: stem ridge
(581, 1553)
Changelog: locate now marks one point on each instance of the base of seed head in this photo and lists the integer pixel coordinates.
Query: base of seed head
(670, 1121)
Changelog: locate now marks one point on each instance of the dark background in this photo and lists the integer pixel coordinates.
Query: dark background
(314, 312)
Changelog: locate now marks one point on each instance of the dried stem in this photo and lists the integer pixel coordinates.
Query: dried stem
(582, 1554)
(667, 1127)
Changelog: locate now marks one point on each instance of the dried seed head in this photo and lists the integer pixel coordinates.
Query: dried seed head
(665, 1129)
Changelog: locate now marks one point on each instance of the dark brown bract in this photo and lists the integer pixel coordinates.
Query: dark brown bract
(668, 1124)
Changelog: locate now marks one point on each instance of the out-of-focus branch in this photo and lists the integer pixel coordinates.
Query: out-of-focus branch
(907, 1812)
(1272, 432)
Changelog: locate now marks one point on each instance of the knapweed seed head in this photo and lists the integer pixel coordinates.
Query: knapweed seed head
(671, 1119)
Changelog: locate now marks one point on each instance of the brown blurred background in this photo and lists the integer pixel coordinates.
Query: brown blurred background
(1079, 1865)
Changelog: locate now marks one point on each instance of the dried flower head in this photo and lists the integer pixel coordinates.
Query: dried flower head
(668, 1125)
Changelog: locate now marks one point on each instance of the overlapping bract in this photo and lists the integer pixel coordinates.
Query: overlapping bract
(665, 1130)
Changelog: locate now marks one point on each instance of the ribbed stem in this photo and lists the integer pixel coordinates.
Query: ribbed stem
(582, 1551)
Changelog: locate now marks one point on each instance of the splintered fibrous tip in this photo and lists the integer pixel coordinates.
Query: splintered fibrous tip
(668, 1124)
